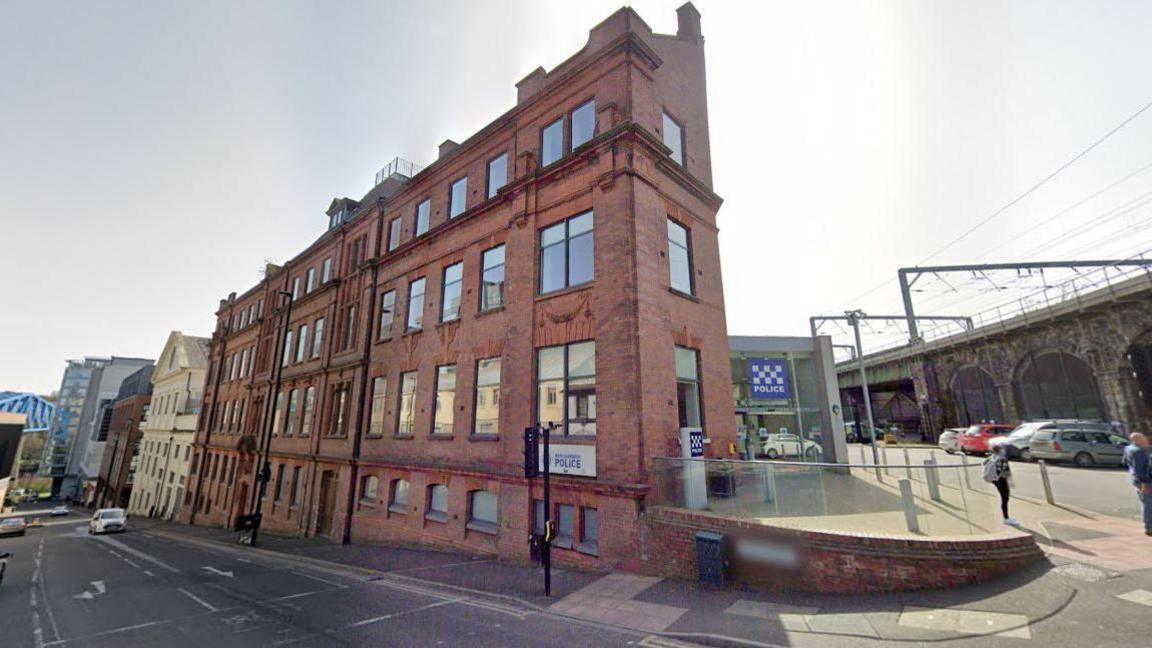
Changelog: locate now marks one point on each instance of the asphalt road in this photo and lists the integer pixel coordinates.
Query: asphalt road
(64, 587)
(1106, 490)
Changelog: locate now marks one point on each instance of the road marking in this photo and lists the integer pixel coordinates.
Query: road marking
(301, 594)
(100, 589)
(136, 552)
(217, 571)
(1143, 597)
(199, 600)
(149, 573)
(398, 614)
(108, 632)
(317, 578)
(38, 578)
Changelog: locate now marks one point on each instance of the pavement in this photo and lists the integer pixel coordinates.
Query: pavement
(164, 583)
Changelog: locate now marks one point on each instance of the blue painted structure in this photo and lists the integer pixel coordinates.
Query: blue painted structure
(37, 410)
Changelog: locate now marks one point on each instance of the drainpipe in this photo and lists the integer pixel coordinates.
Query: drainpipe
(200, 469)
(354, 479)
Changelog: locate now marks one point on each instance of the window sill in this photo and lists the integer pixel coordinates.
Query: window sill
(382, 340)
(412, 331)
(680, 293)
(441, 324)
(440, 437)
(490, 311)
(373, 436)
(398, 509)
(406, 437)
(589, 548)
(370, 503)
(565, 291)
(433, 516)
(486, 528)
(483, 437)
(563, 542)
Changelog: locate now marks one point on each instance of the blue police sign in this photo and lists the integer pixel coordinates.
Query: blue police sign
(768, 378)
(696, 443)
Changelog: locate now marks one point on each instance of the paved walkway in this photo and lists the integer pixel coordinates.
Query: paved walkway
(1097, 591)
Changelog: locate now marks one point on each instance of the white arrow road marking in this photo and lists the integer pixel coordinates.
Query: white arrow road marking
(218, 572)
(100, 589)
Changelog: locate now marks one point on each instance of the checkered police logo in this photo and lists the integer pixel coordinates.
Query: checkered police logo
(696, 443)
(768, 378)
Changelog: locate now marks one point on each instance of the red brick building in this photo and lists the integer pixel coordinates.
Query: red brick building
(120, 429)
(559, 265)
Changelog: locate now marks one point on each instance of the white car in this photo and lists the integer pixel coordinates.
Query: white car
(59, 511)
(950, 440)
(108, 521)
(788, 445)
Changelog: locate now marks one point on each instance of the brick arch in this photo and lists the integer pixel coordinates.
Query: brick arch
(1135, 380)
(974, 395)
(1053, 383)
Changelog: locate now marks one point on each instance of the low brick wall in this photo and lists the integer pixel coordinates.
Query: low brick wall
(795, 560)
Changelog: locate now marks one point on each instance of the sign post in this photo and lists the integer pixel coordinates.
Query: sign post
(694, 470)
(537, 460)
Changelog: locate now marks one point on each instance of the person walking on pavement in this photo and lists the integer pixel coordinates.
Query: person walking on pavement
(998, 473)
(1136, 458)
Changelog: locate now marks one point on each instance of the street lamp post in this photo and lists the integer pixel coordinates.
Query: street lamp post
(265, 472)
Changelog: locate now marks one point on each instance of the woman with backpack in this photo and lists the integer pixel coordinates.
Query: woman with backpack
(998, 473)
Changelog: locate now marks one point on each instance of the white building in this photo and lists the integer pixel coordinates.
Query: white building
(160, 467)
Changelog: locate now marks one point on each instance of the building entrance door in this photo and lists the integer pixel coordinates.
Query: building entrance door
(327, 503)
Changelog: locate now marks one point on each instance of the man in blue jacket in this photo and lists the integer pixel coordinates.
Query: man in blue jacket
(1136, 459)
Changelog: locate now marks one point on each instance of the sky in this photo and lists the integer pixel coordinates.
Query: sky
(154, 155)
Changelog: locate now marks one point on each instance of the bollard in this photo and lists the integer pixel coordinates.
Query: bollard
(769, 483)
(907, 464)
(932, 478)
(1047, 484)
(967, 474)
(909, 503)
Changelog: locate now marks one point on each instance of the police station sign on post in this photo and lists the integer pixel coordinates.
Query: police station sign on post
(768, 378)
(570, 459)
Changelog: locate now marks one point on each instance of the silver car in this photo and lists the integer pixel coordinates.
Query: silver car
(1086, 443)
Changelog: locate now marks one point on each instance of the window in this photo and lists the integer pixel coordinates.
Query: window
(674, 139)
(445, 399)
(497, 174)
(416, 305)
(349, 327)
(338, 414)
(450, 300)
(279, 483)
(232, 369)
(368, 487)
(679, 258)
(317, 337)
(398, 497)
(589, 531)
(423, 213)
(407, 403)
(492, 279)
(277, 414)
(437, 503)
(243, 362)
(583, 123)
(487, 396)
(565, 526)
(376, 411)
(252, 313)
(483, 511)
(570, 372)
(243, 316)
(252, 361)
(309, 405)
(225, 419)
(302, 343)
(458, 197)
(310, 283)
(688, 387)
(387, 313)
(552, 142)
(290, 422)
(295, 486)
(566, 254)
(326, 271)
(260, 308)
(287, 355)
(394, 234)
(295, 288)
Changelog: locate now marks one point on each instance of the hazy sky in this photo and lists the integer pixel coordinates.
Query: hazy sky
(152, 155)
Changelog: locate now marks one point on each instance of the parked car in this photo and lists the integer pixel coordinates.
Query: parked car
(852, 435)
(788, 445)
(1018, 444)
(59, 511)
(13, 526)
(950, 440)
(108, 521)
(975, 438)
(1087, 443)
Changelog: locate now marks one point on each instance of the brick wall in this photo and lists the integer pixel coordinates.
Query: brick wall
(832, 563)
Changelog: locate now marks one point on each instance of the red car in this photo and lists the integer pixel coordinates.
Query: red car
(975, 439)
